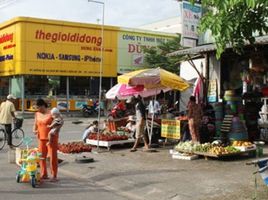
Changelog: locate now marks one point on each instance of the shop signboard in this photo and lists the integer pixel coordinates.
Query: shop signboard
(130, 48)
(32, 46)
(9, 49)
(170, 128)
(212, 91)
(46, 47)
(191, 15)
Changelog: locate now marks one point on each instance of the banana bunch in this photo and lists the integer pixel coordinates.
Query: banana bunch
(218, 150)
(242, 144)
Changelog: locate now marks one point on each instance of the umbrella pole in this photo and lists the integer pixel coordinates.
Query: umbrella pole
(152, 123)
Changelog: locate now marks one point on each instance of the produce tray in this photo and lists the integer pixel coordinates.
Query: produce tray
(184, 151)
(217, 156)
(243, 148)
(206, 154)
(184, 157)
(108, 144)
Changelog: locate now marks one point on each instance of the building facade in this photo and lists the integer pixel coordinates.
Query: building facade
(61, 61)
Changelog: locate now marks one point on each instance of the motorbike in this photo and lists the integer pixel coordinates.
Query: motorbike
(91, 111)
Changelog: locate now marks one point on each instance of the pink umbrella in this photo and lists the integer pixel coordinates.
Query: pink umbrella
(124, 91)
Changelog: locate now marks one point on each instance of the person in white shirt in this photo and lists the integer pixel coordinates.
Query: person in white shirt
(131, 126)
(7, 113)
(154, 108)
(92, 128)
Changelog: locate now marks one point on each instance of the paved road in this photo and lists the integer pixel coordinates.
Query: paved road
(120, 174)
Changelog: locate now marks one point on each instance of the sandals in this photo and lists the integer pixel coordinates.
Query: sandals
(44, 177)
(148, 150)
(54, 180)
(133, 150)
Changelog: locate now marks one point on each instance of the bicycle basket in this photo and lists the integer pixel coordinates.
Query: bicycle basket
(18, 123)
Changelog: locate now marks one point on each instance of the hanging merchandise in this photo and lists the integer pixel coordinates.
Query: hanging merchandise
(198, 90)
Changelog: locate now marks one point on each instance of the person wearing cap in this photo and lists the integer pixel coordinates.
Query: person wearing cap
(56, 124)
(131, 126)
(7, 113)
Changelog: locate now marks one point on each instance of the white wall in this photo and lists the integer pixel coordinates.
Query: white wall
(189, 73)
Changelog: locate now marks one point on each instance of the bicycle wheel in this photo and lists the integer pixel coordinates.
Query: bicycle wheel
(17, 137)
(2, 138)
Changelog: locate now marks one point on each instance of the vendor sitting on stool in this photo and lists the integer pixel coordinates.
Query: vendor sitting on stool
(92, 128)
(131, 126)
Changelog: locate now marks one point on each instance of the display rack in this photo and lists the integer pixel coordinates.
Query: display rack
(108, 144)
(208, 155)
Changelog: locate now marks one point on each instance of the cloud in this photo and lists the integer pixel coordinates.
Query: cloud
(124, 13)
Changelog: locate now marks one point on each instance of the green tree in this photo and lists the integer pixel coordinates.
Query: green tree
(234, 22)
(157, 56)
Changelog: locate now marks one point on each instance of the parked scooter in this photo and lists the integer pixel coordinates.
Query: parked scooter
(89, 111)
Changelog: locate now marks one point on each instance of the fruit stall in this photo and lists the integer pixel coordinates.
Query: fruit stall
(189, 150)
(74, 147)
(109, 139)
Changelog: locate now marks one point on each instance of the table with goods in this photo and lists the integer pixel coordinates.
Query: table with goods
(109, 139)
(191, 150)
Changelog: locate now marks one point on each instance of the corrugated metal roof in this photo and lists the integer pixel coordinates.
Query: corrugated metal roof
(212, 47)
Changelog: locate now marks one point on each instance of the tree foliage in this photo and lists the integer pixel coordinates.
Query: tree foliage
(235, 21)
(157, 56)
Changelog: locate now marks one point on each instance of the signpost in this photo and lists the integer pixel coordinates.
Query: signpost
(212, 91)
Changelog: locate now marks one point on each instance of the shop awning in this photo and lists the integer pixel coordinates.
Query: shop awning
(212, 47)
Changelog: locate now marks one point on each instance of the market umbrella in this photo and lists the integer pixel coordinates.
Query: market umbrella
(154, 78)
(124, 91)
(120, 89)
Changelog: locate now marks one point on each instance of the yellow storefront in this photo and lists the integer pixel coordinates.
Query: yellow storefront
(60, 61)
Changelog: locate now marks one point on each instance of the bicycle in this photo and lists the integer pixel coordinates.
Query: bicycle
(17, 134)
(262, 165)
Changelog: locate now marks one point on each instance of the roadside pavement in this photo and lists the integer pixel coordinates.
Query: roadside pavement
(155, 175)
(143, 175)
(68, 188)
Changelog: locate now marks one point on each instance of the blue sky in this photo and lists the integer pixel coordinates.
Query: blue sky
(126, 13)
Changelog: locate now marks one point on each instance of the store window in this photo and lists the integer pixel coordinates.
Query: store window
(4, 85)
(36, 86)
(55, 86)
